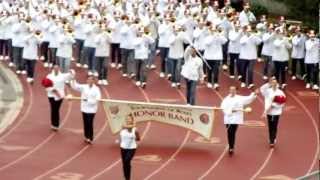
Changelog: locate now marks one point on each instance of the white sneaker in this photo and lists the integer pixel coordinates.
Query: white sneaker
(243, 85)
(85, 66)
(143, 85)
(265, 78)
(178, 85)
(215, 86)
(73, 59)
(138, 83)
(209, 85)
(29, 80)
(42, 58)
(162, 75)
(113, 65)
(259, 59)
(169, 76)
(119, 66)
(225, 67)
(283, 86)
(6, 58)
(132, 75)
(239, 77)
(105, 82)
(90, 73)
(315, 87)
(173, 85)
(11, 64)
(100, 82)
(124, 75)
(18, 71)
(78, 65)
(153, 66)
(308, 86)
(1, 58)
(251, 86)
(50, 65)
(95, 74)
(45, 64)
(231, 77)
(24, 72)
(293, 77)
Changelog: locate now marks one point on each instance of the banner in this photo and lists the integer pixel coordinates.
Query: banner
(195, 118)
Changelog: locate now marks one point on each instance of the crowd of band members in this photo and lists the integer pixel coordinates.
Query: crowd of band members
(128, 35)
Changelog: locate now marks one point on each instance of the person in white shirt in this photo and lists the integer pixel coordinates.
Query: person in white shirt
(129, 135)
(64, 52)
(268, 39)
(298, 53)
(164, 31)
(90, 96)
(272, 109)
(80, 36)
(213, 53)
(45, 25)
(280, 56)
(233, 110)
(248, 56)
(115, 25)
(192, 71)
(234, 49)
(141, 54)
(246, 17)
(312, 60)
(102, 54)
(55, 31)
(56, 93)
(30, 52)
(19, 30)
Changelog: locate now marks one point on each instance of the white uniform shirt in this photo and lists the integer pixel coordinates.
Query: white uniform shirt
(164, 31)
(312, 51)
(235, 103)
(79, 26)
(141, 47)
(234, 43)
(268, 39)
(65, 46)
(213, 47)
(128, 139)
(193, 66)
(127, 36)
(246, 18)
(248, 47)
(298, 46)
(176, 50)
(30, 49)
(281, 50)
(199, 36)
(115, 35)
(103, 41)
(90, 32)
(270, 107)
(58, 84)
(90, 96)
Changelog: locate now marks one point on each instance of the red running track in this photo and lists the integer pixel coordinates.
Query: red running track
(30, 150)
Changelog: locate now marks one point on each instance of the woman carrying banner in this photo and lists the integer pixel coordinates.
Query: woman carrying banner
(192, 71)
(273, 105)
(129, 136)
(233, 109)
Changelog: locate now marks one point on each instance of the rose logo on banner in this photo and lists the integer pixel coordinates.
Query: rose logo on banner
(204, 118)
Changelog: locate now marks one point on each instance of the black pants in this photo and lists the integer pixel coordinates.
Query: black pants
(294, 66)
(246, 70)
(126, 156)
(79, 44)
(191, 91)
(45, 50)
(88, 125)
(17, 58)
(115, 53)
(273, 127)
(313, 73)
(53, 55)
(268, 66)
(101, 67)
(163, 56)
(3, 47)
(55, 109)
(231, 129)
(214, 71)
(234, 58)
(30, 65)
(280, 71)
(225, 53)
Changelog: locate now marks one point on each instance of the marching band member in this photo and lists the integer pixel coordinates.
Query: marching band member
(45, 26)
(153, 30)
(280, 56)
(312, 60)
(55, 31)
(246, 16)
(115, 25)
(90, 96)
(79, 34)
(248, 56)
(192, 71)
(273, 107)
(64, 51)
(102, 54)
(298, 53)
(214, 43)
(261, 29)
(141, 53)
(56, 93)
(234, 49)
(30, 52)
(268, 39)
(233, 109)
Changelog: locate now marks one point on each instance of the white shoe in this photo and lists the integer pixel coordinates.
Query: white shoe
(169, 76)
(283, 86)
(239, 77)
(85, 66)
(132, 75)
(308, 86)
(265, 78)
(251, 86)
(143, 85)
(259, 59)
(124, 75)
(162, 75)
(42, 58)
(113, 65)
(178, 85)
(105, 82)
(50, 65)
(153, 66)
(11, 64)
(29, 80)
(315, 87)
(24, 72)
(78, 65)
(1, 58)
(100, 82)
(95, 74)
(18, 71)
(173, 85)
(209, 85)
(6, 58)
(243, 85)
(225, 67)
(215, 86)
(90, 73)
(45, 64)
(138, 83)
(119, 66)
(73, 59)
(293, 77)
(231, 77)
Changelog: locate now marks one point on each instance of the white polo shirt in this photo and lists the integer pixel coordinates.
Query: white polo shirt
(128, 139)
